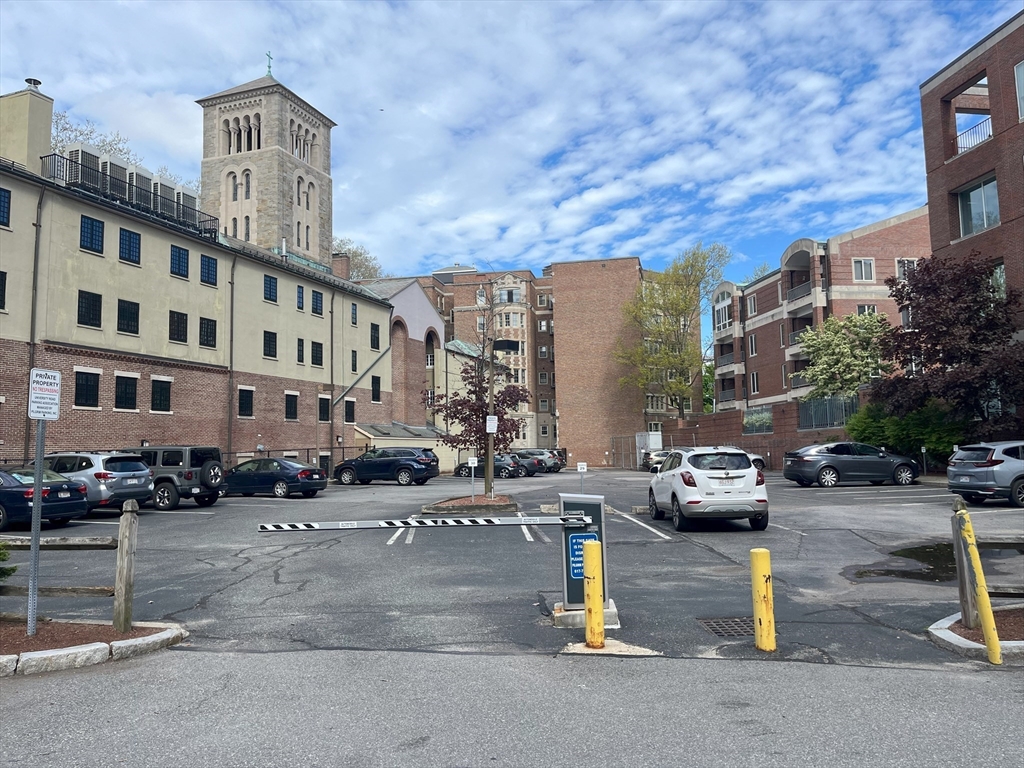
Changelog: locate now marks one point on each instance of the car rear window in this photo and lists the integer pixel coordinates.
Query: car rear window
(125, 464)
(730, 461)
(28, 476)
(973, 453)
(200, 456)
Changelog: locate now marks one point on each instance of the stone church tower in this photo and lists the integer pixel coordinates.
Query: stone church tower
(267, 168)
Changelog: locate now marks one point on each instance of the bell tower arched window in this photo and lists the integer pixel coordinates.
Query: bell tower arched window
(233, 184)
(307, 237)
(234, 227)
(247, 229)
(248, 185)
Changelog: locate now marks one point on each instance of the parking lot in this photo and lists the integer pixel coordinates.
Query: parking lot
(841, 596)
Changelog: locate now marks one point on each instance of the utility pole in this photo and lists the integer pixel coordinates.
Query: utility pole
(489, 468)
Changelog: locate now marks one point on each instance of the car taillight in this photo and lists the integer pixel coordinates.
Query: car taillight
(32, 492)
(82, 489)
(760, 478)
(989, 463)
(422, 460)
(103, 475)
(687, 479)
(305, 474)
(188, 475)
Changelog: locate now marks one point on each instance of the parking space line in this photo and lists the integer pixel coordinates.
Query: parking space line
(408, 538)
(393, 538)
(179, 512)
(526, 533)
(642, 524)
(791, 530)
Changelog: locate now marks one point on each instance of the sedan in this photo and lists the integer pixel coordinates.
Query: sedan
(281, 477)
(832, 463)
(717, 483)
(63, 499)
(504, 466)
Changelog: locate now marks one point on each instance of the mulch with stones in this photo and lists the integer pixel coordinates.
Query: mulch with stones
(15, 640)
(1009, 626)
(480, 501)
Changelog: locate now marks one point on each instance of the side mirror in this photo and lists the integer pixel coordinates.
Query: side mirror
(655, 470)
(881, 455)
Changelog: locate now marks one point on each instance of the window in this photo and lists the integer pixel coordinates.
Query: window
(207, 270)
(5, 207)
(542, 352)
(355, 314)
(785, 379)
(247, 229)
(350, 411)
(481, 324)
(1018, 72)
(207, 332)
(179, 261)
(752, 345)
(374, 336)
(87, 389)
(160, 399)
(979, 208)
(270, 288)
(316, 350)
(542, 326)
(270, 344)
(291, 406)
(3, 290)
(655, 403)
(481, 296)
(867, 309)
(92, 235)
(754, 386)
(125, 393)
(375, 389)
(130, 247)
(127, 316)
(542, 299)
(178, 327)
(654, 426)
(318, 303)
(307, 228)
(248, 186)
(355, 361)
(245, 402)
(904, 267)
(864, 270)
(542, 377)
(234, 227)
(510, 296)
(544, 405)
(90, 309)
(300, 351)
(300, 297)
(324, 408)
(782, 334)
(751, 305)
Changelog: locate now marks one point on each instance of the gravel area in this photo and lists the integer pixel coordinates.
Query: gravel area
(1009, 626)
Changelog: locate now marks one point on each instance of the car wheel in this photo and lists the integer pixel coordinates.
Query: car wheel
(165, 497)
(462, 472)
(903, 475)
(347, 476)
(758, 464)
(653, 509)
(4, 522)
(505, 473)
(1017, 494)
(212, 474)
(404, 476)
(759, 523)
(310, 494)
(828, 477)
(423, 481)
(521, 471)
(877, 482)
(974, 498)
(281, 489)
(59, 522)
(208, 500)
(804, 483)
(250, 493)
(679, 521)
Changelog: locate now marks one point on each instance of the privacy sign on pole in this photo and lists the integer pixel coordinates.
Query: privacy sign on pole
(44, 395)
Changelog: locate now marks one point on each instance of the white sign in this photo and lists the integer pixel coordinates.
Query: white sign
(471, 461)
(44, 395)
(492, 424)
(581, 466)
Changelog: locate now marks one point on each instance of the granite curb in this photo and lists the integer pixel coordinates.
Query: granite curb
(73, 657)
(472, 510)
(940, 633)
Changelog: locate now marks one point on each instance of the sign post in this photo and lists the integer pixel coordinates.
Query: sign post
(581, 467)
(472, 476)
(43, 406)
(574, 535)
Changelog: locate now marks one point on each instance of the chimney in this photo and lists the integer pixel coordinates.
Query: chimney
(26, 121)
(341, 265)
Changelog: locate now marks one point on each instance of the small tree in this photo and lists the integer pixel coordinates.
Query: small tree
(362, 264)
(5, 571)
(844, 353)
(709, 387)
(931, 426)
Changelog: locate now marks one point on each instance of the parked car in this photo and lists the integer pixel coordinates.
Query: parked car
(531, 465)
(279, 476)
(552, 461)
(717, 483)
(405, 465)
(988, 471)
(755, 458)
(183, 472)
(653, 459)
(110, 478)
(64, 499)
(504, 467)
(833, 463)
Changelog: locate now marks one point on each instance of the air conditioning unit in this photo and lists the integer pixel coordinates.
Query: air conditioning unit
(187, 200)
(115, 176)
(164, 201)
(84, 165)
(140, 187)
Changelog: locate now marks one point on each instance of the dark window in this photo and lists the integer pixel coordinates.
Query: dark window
(270, 288)
(355, 314)
(245, 402)
(300, 352)
(300, 297)
(375, 389)
(5, 207)
(207, 332)
(318, 303)
(131, 247)
(350, 411)
(269, 344)
(90, 309)
(125, 390)
(207, 270)
(3, 290)
(325, 409)
(316, 351)
(291, 407)
(374, 336)
(178, 326)
(248, 186)
(87, 389)
(161, 399)
(179, 261)
(92, 235)
(127, 316)
(355, 361)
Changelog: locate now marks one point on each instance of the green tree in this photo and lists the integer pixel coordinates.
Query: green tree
(709, 387)
(362, 264)
(932, 426)
(664, 318)
(5, 571)
(760, 271)
(845, 353)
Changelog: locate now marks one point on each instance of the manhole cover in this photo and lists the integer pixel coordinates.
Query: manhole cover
(743, 627)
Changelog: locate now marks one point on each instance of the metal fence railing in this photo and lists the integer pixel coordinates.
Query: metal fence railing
(974, 135)
(758, 420)
(827, 412)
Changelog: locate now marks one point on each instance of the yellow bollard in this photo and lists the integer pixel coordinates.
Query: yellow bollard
(764, 607)
(988, 621)
(593, 593)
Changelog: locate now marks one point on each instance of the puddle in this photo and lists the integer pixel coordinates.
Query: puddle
(938, 559)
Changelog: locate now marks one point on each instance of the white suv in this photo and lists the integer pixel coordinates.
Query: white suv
(719, 483)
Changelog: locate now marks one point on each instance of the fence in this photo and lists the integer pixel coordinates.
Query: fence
(827, 412)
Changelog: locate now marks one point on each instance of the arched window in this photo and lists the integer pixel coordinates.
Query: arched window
(259, 130)
(298, 234)
(248, 185)
(309, 194)
(307, 237)
(298, 192)
(247, 130)
(225, 137)
(234, 227)
(247, 229)
(233, 183)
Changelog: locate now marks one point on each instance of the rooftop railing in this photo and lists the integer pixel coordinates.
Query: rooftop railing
(974, 135)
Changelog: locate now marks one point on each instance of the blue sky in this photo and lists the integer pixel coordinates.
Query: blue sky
(518, 134)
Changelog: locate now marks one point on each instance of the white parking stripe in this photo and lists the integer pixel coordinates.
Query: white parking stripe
(393, 538)
(776, 525)
(408, 538)
(179, 512)
(655, 531)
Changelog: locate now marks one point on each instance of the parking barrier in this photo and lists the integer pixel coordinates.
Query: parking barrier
(976, 585)
(593, 593)
(764, 606)
(418, 522)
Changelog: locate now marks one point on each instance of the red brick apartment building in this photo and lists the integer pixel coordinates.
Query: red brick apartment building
(972, 115)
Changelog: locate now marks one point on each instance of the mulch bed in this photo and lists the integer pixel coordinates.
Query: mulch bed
(60, 634)
(468, 501)
(1009, 626)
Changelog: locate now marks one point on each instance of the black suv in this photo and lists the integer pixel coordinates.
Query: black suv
(406, 465)
(184, 472)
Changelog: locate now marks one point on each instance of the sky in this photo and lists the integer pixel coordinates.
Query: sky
(511, 135)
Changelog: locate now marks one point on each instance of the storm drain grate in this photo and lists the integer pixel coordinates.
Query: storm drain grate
(743, 627)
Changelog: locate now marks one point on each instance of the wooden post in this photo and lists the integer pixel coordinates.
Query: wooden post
(964, 573)
(124, 579)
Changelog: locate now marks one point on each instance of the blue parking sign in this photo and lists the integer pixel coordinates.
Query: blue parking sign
(576, 552)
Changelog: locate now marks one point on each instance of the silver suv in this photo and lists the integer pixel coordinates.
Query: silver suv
(988, 471)
(110, 478)
(549, 459)
(184, 472)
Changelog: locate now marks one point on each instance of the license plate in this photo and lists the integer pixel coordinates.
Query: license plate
(963, 479)
(63, 494)
(195, 490)
(788, 461)
(131, 481)
(727, 481)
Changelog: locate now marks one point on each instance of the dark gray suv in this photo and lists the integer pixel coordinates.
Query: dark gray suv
(988, 471)
(184, 472)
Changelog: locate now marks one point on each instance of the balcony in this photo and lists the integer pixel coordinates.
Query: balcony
(727, 395)
(973, 136)
(800, 291)
(794, 337)
(798, 381)
(727, 330)
(724, 359)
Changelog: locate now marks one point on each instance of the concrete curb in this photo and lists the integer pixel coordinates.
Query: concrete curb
(942, 636)
(473, 510)
(73, 657)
